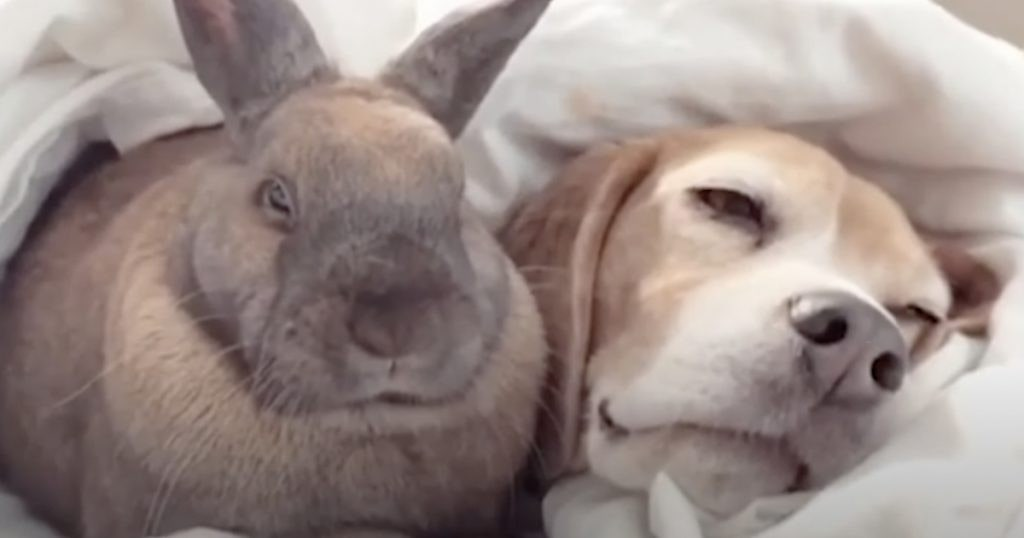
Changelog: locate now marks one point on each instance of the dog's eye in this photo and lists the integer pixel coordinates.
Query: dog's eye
(916, 312)
(732, 206)
(277, 200)
(923, 314)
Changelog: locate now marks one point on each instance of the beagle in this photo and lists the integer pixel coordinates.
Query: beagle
(732, 307)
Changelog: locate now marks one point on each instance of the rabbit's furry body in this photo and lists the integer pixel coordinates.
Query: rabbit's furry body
(153, 420)
(147, 386)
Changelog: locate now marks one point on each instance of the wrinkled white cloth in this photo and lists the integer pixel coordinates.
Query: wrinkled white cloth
(912, 98)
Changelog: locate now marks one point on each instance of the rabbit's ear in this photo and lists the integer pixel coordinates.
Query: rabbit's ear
(249, 54)
(451, 66)
(563, 231)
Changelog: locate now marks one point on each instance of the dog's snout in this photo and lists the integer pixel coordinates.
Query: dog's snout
(852, 348)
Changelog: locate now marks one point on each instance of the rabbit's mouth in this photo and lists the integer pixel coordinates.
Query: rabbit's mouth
(281, 399)
(290, 377)
(319, 353)
(291, 400)
(418, 342)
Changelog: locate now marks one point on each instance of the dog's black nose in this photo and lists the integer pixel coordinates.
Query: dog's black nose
(852, 346)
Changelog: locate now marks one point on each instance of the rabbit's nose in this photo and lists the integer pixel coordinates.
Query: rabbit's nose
(385, 325)
(402, 323)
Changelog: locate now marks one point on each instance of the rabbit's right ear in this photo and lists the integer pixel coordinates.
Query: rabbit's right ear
(451, 66)
(250, 54)
(557, 240)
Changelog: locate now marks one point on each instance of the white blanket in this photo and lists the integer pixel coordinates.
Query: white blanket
(911, 97)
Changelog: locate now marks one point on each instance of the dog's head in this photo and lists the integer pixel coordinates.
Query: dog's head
(730, 306)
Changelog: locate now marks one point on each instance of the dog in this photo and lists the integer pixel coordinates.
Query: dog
(733, 307)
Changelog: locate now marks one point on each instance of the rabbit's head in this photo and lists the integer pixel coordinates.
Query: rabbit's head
(332, 242)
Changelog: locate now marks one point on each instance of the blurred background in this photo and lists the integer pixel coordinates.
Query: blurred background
(1004, 18)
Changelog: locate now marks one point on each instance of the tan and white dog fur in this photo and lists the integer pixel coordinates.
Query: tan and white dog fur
(733, 307)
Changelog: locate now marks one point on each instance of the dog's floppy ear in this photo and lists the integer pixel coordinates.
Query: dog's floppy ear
(249, 54)
(975, 287)
(451, 66)
(556, 240)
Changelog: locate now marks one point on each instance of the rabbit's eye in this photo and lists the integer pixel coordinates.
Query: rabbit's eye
(277, 200)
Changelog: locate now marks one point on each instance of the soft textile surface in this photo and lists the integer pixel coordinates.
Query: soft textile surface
(912, 98)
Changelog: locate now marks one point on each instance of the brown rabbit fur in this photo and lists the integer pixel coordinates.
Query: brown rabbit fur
(292, 327)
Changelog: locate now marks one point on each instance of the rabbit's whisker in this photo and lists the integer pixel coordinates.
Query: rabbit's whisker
(172, 473)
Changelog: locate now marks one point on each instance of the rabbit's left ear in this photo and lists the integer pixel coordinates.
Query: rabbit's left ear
(451, 66)
(250, 54)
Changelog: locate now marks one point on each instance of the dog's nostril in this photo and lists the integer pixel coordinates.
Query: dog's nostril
(826, 326)
(834, 331)
(887, 371)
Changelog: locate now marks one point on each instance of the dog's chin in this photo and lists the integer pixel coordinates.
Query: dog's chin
(721, 472)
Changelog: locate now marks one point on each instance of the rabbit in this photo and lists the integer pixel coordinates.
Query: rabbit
(289, 326)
